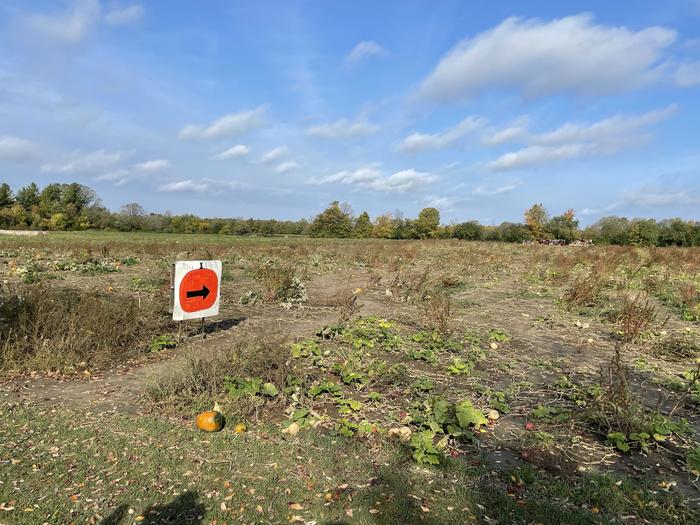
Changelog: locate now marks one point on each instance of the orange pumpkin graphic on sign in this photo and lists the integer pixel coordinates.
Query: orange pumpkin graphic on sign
(198, 290)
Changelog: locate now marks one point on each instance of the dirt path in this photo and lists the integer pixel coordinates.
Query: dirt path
(121, 388)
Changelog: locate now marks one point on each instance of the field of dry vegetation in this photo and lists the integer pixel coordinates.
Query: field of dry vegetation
(363, 381)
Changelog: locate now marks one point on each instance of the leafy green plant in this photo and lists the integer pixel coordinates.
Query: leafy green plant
(537, 440)
(624, 442)
(348, 406)
(423, 385)
(326, 387)
(458, 366)
(692, 461)
(349, 374)
(30, 273)
(467, 415)
(436, 341)
(371, 332)
(345, 427)
(374, 397)
(499, 336)
(457, 420)
(424, 450)
(250, 386)
(130, 260)
(497, 398)
(657, 429)
(550, 414)
(305, 348)
(330, 331)
(162, 341)
(423, 354)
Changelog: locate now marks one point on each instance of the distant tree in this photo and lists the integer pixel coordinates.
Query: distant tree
(536, 219)
(363, 226)
(610, 230)
(427, 223)
(513, 232)
(332, 222)
(58, 222)
(564, 226)
(77, 196)
(50, 198)
(445, 232)
(6, 197)
(675, 232)
(643, 232)
(131, 217)
(383, 226)
(469, 231)
(101, 218)
(28, 196)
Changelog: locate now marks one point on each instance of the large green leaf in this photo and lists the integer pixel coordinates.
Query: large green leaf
(468, 415)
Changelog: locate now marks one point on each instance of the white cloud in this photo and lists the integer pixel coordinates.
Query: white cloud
(151, 166)
(366, 49)
(274, 154)
(365, 175)
(184, 185)
(611, 130)
(417, 142)
(231, 124)
(571, 141)
(285, 167)
(82, 162)
(538, 58)
(484, 190)
(67, 27)
(650, 196)
(343, 129)
(16, 149)
(512, 133)
(199, 186)
(117, 178)
(239, 150)
(436, 201)
(688, 74)
(655, 197)
(406, 180)
(535, 155)
(122, 16)
(371, 178)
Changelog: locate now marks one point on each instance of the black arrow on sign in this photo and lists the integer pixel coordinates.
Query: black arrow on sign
(199, 293)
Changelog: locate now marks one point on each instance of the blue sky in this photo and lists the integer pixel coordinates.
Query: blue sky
(273, 109)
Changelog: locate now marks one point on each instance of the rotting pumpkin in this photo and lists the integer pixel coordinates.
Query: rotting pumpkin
(211, 420)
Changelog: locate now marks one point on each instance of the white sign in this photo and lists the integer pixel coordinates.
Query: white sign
(196, 289)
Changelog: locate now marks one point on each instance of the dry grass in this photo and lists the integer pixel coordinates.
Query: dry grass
(280, 282)
(636, 316)
(203, 376)
(62, 329)
(615, 410)
(437, 313)
(689, 295)
(584, 291)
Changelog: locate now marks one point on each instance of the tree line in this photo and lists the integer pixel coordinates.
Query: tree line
(77, 207)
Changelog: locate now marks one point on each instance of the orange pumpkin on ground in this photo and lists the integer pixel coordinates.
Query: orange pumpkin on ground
(211, 420)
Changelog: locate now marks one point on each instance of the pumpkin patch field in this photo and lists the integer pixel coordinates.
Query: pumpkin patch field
(348, 381)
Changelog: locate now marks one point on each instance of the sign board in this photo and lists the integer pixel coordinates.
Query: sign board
(196, 289)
